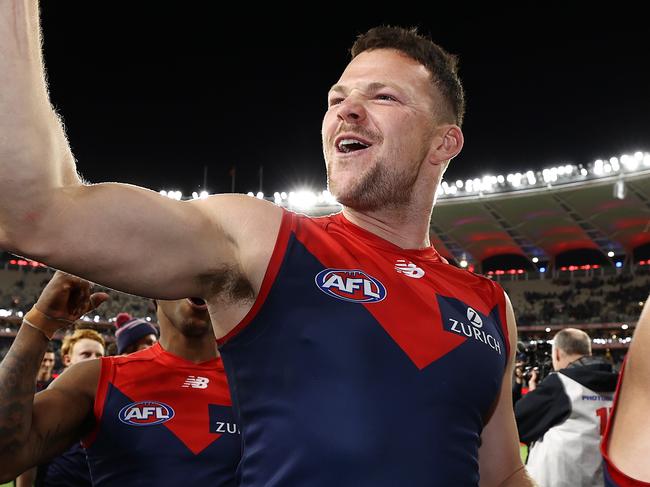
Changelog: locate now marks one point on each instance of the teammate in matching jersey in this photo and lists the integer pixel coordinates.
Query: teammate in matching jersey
(160, 416)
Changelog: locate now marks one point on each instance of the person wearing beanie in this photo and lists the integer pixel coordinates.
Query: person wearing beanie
(167, 407)
(134, 334)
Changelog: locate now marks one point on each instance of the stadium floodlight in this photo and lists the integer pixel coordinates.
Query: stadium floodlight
(463, 263)
(630, 163)
(148, 318)
(303, 200)
(259, 195)
(283, 195)
(459, 184)
(250, 193)
(607, 168)
(530, 175)
(598, 167)
(195, 195)
(501, 179)
(624, 326)
(542, 269)
(203, 194)
(646, 160)
(619, 264)
(163, 192)
(610, 253)
(535, 260)
(583, 172)
(96, 319)
(547, 329)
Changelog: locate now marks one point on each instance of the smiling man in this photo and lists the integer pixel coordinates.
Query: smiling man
(345, 370)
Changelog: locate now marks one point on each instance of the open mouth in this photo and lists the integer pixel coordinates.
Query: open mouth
(350, 144)
(198, 303)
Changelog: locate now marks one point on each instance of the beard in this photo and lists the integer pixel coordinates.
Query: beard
(381, 187)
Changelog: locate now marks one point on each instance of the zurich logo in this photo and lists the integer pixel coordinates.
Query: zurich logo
(474, 318)
(145, 413)
(351, 285)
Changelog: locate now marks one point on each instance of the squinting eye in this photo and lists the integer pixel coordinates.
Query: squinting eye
(386, 97)
(335, 101)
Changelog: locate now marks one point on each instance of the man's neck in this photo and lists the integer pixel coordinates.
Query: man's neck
(405, 227)
(193, 349)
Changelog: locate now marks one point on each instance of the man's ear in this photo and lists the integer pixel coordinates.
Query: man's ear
(447, 144)
(66, 360)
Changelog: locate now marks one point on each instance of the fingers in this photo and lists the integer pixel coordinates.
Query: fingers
(96, 299)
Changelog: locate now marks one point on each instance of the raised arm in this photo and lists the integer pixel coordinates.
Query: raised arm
(34, 429)
(122, 236)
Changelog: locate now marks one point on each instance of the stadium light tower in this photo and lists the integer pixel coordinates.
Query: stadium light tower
(620, 190)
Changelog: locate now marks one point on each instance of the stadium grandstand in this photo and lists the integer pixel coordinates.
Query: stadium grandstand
(570, 244)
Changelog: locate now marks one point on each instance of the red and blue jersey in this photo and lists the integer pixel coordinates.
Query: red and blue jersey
(364, 364)
(161, 420)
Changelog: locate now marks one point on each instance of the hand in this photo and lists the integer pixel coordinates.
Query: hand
(68, 298)
(532, 382)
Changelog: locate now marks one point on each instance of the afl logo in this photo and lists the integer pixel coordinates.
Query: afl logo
(350, 285)
(474, 318)
(145, 413)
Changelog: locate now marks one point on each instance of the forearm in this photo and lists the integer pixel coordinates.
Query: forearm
(18, 373)
(34, 153)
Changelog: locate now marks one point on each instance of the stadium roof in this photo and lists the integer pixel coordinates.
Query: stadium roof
(609, 214)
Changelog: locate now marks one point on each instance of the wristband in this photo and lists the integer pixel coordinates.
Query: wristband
(47, 325)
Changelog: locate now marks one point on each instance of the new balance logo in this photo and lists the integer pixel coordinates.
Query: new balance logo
(409, 269)
(196, 382)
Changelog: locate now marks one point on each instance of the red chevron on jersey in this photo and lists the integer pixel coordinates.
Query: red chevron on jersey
(423, 336)
(167, 395)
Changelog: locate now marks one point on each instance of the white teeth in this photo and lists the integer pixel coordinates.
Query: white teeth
(344, 143)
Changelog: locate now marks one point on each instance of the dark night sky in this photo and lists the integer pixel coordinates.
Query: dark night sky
(151, 96)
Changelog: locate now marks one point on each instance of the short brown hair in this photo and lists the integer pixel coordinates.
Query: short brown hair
(69, 341)
(442, 65)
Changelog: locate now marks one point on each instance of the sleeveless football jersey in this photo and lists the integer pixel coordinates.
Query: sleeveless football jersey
(69, 468)
(613, 476)
(364, 364)
(161, 420)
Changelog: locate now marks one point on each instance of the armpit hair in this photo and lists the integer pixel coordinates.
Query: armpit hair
(227, 283)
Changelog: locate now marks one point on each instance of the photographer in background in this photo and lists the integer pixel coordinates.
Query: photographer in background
(532, 364)
(564, 416)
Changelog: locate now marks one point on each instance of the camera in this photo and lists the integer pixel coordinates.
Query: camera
(535, 356)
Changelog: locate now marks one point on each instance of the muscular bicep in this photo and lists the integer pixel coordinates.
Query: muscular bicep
(135, 240)
(61, 414)
(499, 457)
